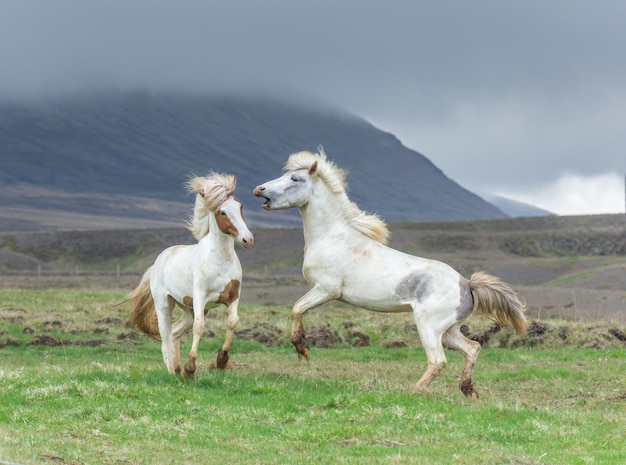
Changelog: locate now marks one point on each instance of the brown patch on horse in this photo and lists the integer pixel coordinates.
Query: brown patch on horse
(225, 224)
(188, 302)
(230, 293)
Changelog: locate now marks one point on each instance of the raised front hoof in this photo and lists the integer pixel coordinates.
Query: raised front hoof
(221, 362)
(301, 348)
(468, 390)
(304, 354)
(189, 370)
(419, 390)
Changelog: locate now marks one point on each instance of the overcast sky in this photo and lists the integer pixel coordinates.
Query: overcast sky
(525, 99)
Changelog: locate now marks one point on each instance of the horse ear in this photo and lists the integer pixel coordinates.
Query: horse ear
(313, 168)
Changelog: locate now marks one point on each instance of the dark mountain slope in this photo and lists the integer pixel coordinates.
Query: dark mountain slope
(144, 145)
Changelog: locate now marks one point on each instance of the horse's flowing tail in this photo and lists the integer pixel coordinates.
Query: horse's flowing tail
(143, 315)
(499, 300)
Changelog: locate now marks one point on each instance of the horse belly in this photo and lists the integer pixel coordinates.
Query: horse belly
(376, 296)
(174, 273)
(408, 286)
(382, 306)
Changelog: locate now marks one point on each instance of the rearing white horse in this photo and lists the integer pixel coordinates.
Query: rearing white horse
(346, 259)
(195, 276)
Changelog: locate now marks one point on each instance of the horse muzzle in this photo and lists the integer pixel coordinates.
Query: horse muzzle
(258, 191)
(246, 241)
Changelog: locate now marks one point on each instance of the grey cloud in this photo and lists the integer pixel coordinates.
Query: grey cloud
(413, 67)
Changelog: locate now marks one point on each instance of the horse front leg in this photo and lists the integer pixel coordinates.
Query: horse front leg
(314, 298)
(221, 361)
(198, 329)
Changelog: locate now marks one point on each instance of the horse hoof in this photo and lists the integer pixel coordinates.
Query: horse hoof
(190, 369)
(221, 361)
(468, 390)
(420, 390)
(305, 353)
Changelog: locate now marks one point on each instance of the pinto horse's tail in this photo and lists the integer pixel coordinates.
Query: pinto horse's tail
(499, 300)
(143, 315)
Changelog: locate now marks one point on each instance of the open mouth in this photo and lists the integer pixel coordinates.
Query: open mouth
(268, 201)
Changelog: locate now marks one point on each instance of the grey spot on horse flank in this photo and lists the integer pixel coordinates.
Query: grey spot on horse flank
(416, 285)
(466, 300)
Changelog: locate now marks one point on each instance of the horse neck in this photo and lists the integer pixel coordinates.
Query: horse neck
(216, 238)
(321, 217)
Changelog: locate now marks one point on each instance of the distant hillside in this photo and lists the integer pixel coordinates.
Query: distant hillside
(571, 267)
(108, 155)
(513, 208)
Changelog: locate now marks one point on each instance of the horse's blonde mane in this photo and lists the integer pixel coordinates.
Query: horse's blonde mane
(335, 178)
(211, 191)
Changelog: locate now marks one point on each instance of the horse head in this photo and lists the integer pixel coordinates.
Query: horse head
(230, 220)
(215, 194)
(292, 190)
(311, 177)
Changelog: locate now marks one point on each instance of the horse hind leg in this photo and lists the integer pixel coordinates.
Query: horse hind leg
(431, 341)
(453, 339)
(164, 309)
(180, 327)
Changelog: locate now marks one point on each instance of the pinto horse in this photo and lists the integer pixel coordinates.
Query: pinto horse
(195, 276)
(346, 258)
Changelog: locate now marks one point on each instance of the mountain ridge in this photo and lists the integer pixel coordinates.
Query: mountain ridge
(145, 146)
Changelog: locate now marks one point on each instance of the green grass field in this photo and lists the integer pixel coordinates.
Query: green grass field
(99, 395)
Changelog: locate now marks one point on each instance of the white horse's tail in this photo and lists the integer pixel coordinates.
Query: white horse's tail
(143, 315)
(499, 300)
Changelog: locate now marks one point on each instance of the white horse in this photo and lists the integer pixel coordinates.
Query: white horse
(195, 276)
(346, 259)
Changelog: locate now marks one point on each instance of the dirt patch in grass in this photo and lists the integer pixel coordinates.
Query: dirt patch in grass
(323, 336)
(263, 333)
(46, 340)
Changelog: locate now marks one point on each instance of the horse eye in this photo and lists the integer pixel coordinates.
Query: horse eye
(222, 212)
(295, 178)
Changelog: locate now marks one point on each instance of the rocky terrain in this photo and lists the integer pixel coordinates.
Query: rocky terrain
(571, 267)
